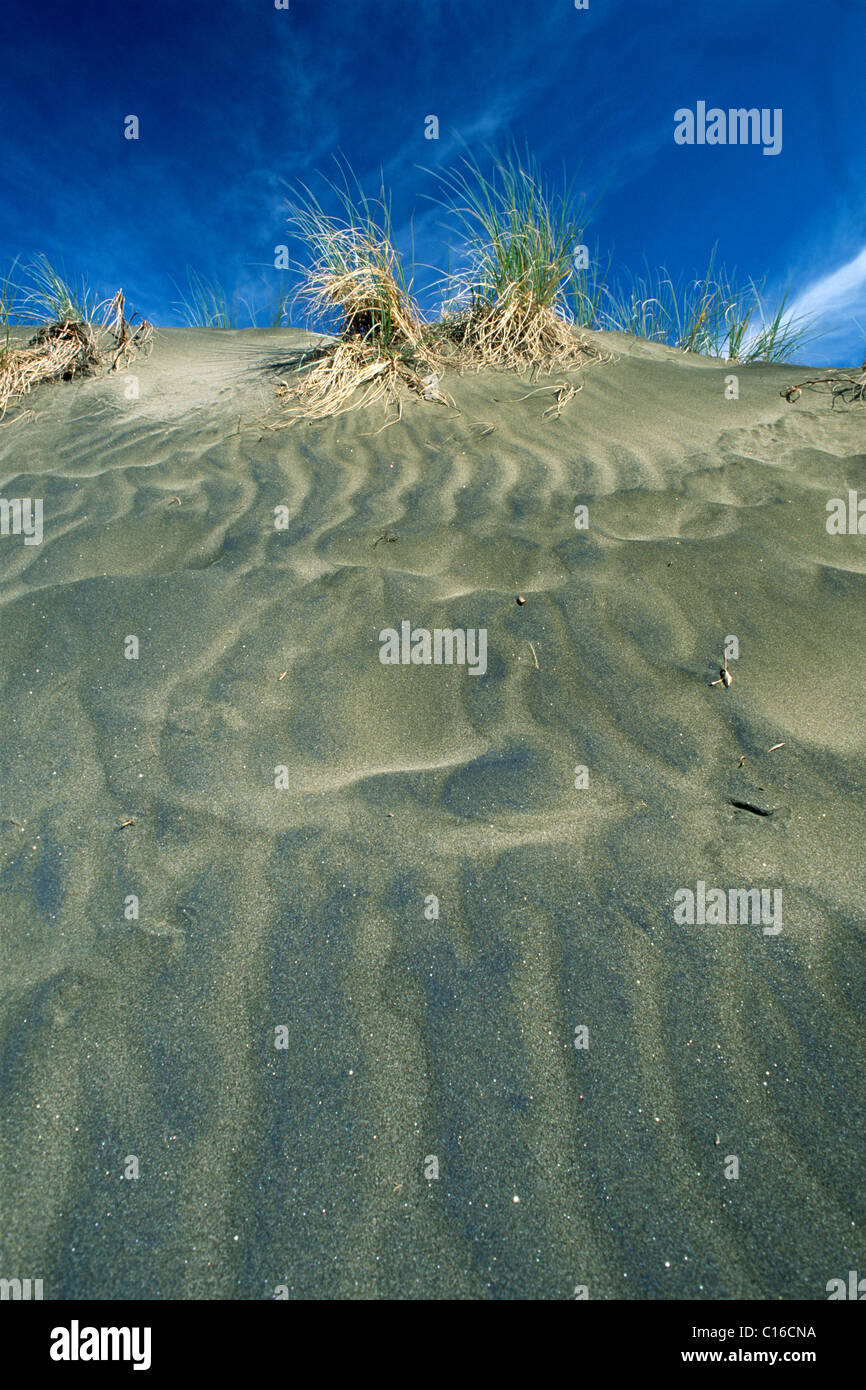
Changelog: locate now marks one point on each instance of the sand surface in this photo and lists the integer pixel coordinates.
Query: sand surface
(410, 1036)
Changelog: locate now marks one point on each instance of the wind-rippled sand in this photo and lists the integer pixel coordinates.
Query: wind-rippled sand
(411, 1036)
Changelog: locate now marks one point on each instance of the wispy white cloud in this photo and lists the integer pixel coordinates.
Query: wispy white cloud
(836, 304)
(838, 295)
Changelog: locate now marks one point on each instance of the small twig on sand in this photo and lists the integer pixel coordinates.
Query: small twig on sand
(371, 434)
(25, 415)
(565, 392)
(478, 429)
(534, 657)
(725, 677)
(750, 806)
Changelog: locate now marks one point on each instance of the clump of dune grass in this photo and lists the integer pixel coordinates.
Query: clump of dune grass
(206, 304)
(82, 335)
(779, 335)
(9, 296)
(508, 306)
(585, 292)
(48, 295)
(354, 286)
(710, 314)
(278, 308)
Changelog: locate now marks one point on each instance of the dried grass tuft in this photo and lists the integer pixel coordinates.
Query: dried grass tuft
(354, 284)
(71, 347)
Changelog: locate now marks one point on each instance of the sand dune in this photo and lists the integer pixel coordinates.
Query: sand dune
(412, 1035)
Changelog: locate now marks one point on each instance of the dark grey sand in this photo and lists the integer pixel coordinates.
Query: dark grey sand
(410, 1038)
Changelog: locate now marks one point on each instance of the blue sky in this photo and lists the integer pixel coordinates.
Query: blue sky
(235, 99)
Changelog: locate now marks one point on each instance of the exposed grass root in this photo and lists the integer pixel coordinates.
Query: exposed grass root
(848, 387)
(129, 339)
(355, 372)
